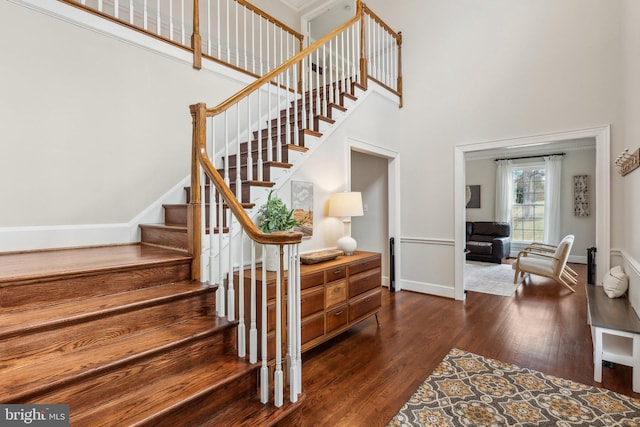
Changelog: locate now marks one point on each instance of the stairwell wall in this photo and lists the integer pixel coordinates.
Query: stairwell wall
(94, 129)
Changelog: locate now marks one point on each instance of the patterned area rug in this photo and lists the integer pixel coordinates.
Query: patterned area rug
(489, 278)
(471, 390)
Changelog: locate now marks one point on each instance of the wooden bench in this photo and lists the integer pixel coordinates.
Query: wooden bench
(615, 329)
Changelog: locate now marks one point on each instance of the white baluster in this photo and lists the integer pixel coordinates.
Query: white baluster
(212, 211)
(242, 338)
(131, 12)
(209, 28)
(116, 9)
(158, 29)
(264, 369)
(238, 161)
(253, 327)
(171, 36)
(259, 137)
(277, 113)
(237, 40)
(184, 30)
(100, 5)
(249, 150)
(231, 309)
(219, 53)
(278, 382)
(228, 46)
(144, 16)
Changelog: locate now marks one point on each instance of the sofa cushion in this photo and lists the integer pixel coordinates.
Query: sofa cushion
(496, 229)
(484, 248)
(481, 238)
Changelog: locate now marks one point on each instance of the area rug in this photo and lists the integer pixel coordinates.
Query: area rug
(471, 390)
(489, 278)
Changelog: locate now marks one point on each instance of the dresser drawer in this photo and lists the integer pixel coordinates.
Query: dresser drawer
(337, 318)
(364, 282)
(364, 265)
(335, 273)
(311, 280)
(365, 305)
(312, 328)
(311, 302)
(336, 293)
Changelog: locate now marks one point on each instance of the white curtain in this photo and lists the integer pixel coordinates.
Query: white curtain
(552, 198)
(504, 184)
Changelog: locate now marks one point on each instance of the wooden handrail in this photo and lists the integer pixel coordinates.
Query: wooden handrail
(198, 112)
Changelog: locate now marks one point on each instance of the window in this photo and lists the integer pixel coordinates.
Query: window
(527, 210)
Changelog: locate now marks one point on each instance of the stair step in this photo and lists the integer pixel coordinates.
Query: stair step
(53, 276)
(52, 375)
(253, 413)
(29, 321)
(174, 237)
(190, 396)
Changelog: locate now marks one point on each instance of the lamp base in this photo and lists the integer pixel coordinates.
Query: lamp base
(347, 244)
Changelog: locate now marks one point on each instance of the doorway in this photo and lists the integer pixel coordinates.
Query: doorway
(601, 202)
(374, 172)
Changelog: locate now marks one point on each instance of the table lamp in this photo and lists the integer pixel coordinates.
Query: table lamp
(346, 205)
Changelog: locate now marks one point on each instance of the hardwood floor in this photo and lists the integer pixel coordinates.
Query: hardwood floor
(363, 377)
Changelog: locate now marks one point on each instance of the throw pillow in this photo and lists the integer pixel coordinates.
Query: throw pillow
(616, 282)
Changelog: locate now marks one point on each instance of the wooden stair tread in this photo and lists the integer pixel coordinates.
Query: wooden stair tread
(252, 412)
(40, 377)
(38, 265)
(13, 322)
(152, 401)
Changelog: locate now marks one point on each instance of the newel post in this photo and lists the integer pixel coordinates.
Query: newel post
(196, 38)
(194, 212)
(361, 8)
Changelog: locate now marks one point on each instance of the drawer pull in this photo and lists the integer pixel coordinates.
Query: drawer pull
(367, 299)
(338, 313)
(336, 271)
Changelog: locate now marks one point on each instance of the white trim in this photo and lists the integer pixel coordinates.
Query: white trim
(393, 185)
(428, 241)
(603, 194)
(426, 288)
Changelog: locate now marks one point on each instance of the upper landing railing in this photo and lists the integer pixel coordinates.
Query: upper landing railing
(237, 34)
(231, 32)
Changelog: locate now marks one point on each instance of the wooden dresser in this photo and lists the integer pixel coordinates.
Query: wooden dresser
(334, 296)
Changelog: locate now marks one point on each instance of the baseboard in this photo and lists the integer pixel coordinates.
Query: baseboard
(426, 288)
(13, 239)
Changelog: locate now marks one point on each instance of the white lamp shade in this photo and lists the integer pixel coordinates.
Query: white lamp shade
(346, 204)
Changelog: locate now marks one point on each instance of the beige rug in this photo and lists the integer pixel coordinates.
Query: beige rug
(471, 390)
(489, 278)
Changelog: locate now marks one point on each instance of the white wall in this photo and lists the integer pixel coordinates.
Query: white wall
(487, 71)
(482, 172)
(626, 210)
(93, 129)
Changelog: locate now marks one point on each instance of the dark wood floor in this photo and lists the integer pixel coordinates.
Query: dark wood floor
(363, 377)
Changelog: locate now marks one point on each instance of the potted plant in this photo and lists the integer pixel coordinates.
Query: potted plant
(274, 216)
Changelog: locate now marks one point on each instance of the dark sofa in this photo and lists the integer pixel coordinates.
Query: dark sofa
(488, 241)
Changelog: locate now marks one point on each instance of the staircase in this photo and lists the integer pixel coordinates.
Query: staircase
(173, 233)
(121, 333)
(123, 336)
